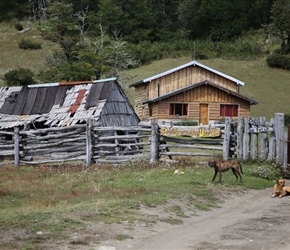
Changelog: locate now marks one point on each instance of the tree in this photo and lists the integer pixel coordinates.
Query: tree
(281, 20)
(38, 9)
(60, 26)
(117, 57)
(19, 77)
(10, 9)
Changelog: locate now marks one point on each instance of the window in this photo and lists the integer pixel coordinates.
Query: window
(150, 111)
(178, 109)
(228, 110)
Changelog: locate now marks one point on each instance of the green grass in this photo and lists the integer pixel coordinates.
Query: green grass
(63, 199)
(12, 57)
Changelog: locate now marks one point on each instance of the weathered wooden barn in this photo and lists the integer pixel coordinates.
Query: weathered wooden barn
(66, 103)
(192, 92)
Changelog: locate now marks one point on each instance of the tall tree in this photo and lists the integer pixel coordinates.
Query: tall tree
(281, 21)
(133, 19)
(10, 9)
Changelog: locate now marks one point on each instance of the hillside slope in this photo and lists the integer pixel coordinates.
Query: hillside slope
(270, 87)
(12, 57)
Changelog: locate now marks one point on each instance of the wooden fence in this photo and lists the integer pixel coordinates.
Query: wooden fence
(247, 138)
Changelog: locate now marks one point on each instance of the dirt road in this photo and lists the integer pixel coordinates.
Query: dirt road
(248, 221)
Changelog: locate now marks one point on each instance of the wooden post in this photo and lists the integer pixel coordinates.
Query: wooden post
(88, 142)
(246, 141)
(285, 150)
(288, 146)
(279, 134)
(154, 150)
(254, 141)
(264, 140)
(272, 142)
(16, 146)
(240, 137)
(227, 137)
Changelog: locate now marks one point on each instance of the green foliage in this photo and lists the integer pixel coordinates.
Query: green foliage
(281, 19)
(286, 120)
(78, 71)
(278, 61)
(19, 77)
(188, 123)
(18, 26)
(28, 44)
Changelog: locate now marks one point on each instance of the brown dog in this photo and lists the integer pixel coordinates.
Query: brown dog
(223, 166)
(280, 189)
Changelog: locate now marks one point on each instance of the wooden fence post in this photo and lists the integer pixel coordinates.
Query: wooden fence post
(288, 146)
(16, 146)
(279, 134)
(227, 138)
(254, 140)
(154, 150)
(272, 143)
(285, 150)
(264, 140)
(240, 137)
(88, 142)
(246, 141)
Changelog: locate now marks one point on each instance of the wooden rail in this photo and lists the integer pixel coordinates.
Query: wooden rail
(247, 138)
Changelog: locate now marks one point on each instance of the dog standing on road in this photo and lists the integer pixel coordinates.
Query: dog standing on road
(280, 189)
(223, 166)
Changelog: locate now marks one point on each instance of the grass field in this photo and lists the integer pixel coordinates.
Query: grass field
(66, 199)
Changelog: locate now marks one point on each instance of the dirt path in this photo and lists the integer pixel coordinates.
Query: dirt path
(249, 221)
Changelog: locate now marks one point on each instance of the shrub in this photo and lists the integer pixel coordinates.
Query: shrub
(188, 123)
(287, 120)
(28, 44)
(19, 77)
(18, 26)
(278, 61)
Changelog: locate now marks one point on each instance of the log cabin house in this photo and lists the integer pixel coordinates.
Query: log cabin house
(190, 92)
(64, 104)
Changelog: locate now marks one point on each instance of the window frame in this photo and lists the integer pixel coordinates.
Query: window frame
(173, 108)
(230, 110)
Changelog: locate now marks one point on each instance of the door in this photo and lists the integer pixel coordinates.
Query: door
(203, 113)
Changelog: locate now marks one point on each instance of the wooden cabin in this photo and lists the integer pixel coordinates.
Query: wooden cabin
(64, 104)
(190, 92)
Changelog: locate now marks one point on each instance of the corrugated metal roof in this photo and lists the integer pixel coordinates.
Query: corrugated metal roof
(55, 104)
(192, 63)
(196, 85)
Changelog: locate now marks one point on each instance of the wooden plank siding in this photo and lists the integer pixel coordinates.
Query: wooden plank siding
(141, 94)
(204, 94)
(183, 78)
(176, 80)
(153, 94)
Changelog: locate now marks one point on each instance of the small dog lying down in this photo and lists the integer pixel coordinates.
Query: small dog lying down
(280, 189)
(223, 166)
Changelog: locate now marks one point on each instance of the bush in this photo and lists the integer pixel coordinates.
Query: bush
(18, 26)
(287, 120)
(19, 77)
(28, 44)
(278, 61)
(187, 123)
